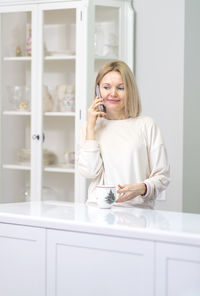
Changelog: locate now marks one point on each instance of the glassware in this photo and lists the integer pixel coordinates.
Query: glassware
(48, 193)
(98, 39)
(19, 97)
(69, 157)
(105, 39)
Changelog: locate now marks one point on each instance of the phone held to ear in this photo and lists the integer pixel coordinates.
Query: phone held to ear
(101, 107)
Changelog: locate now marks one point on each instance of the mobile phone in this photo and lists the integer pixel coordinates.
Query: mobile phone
(98, 94)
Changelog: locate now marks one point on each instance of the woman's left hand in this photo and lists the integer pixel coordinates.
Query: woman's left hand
(129, 191)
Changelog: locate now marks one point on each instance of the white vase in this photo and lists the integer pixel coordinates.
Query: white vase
(65, 98)
(47, 100)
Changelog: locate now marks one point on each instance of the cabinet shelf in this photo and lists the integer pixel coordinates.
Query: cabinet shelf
(54, 114)
(106, 58)
(17, 59)
(47, 58)
(60, 169)
(53, 169)
(59, 57)
(17, 113)
(49, 114)
(16, 167)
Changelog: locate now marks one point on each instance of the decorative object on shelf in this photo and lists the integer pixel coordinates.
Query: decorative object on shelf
(48, 193)
(98, 39)
(24, 157)
(69, 157)
(18, 51)
(59, 53)
(106, 42)
(49, 157)
(29, 42)
(26, 194)
(19, 97)
(65, 97)
(48, 103)
(58, 39)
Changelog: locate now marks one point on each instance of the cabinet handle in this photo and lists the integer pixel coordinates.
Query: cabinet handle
(36, 137)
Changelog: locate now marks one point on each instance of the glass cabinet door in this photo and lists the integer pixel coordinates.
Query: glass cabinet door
(15, 102)
(114, 32)
(110, 35)
(59, 102)
(107, 36)
(50, 55)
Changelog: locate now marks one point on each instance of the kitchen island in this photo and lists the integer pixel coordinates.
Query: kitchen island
(52, 248)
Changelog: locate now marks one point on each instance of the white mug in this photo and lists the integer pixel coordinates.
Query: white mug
(106, 196)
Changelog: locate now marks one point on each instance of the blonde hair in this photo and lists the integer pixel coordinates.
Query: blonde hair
(132, 104)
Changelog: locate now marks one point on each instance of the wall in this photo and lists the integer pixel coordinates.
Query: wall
(191, 152)
(159, 59)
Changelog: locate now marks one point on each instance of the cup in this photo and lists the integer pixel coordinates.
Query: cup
(106, 196)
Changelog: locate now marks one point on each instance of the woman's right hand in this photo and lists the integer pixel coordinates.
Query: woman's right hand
(93, 113)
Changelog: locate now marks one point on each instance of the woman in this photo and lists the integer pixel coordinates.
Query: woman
(118, 146)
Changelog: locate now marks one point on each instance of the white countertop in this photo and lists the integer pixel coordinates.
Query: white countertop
(118, 221)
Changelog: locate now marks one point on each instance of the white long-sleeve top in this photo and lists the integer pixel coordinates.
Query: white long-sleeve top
(125, 151)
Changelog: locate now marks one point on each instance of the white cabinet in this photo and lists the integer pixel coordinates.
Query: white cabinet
(64, 255)
(22, 261)
(50, 53)
(177, 270)
(87, 264)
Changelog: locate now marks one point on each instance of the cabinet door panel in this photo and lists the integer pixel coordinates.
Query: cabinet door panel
(22, 261)
(177, 270)
(84, 264)
(16, 92)
(58, 57)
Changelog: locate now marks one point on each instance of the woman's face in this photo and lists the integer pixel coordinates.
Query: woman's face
(113, 92)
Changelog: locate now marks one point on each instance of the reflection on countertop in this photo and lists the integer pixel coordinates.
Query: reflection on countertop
(89, 218)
